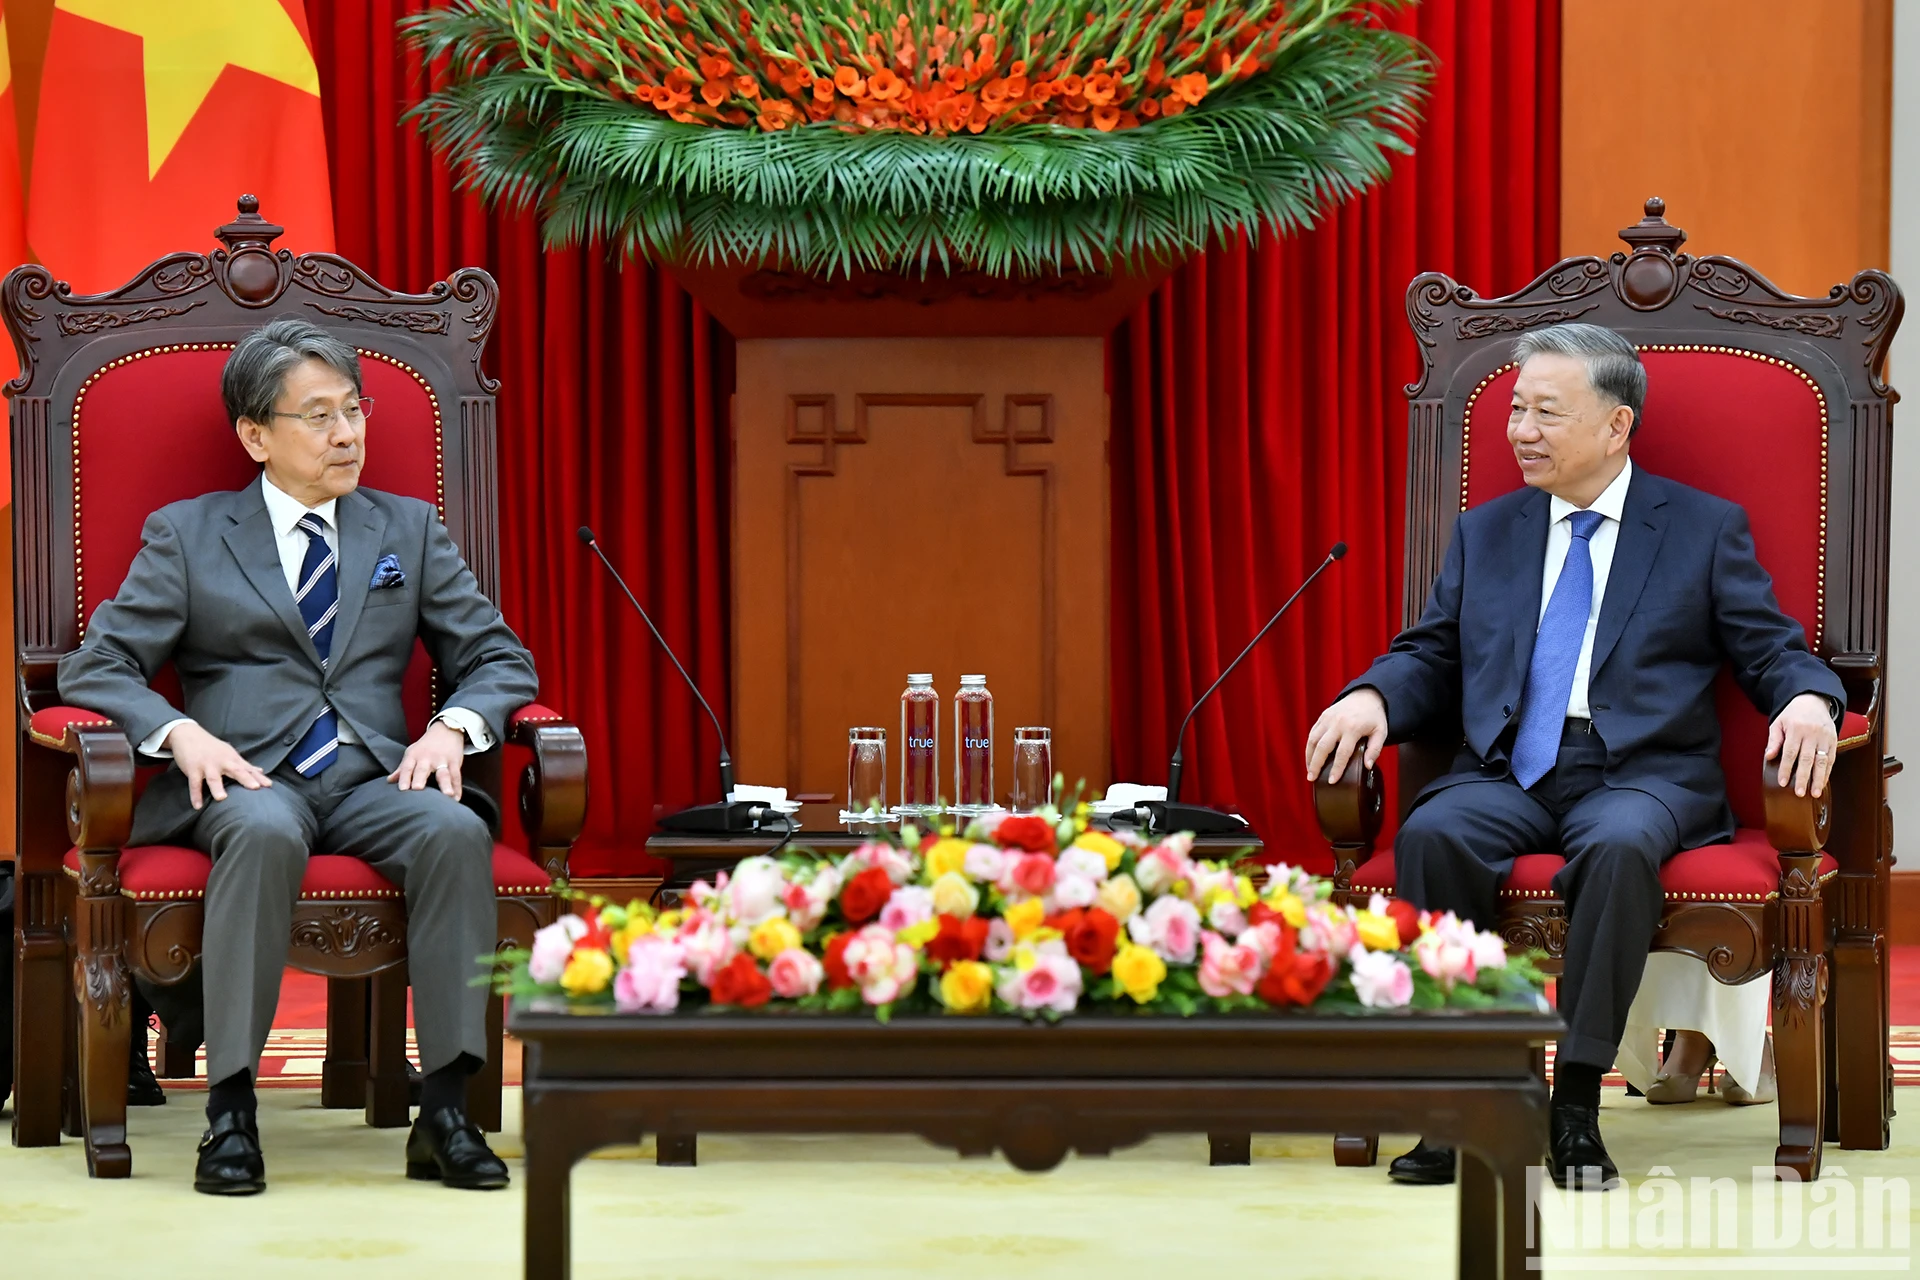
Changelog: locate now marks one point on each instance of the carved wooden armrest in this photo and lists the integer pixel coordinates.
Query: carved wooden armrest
(1349, 810)
(553, 790)
(100, 787)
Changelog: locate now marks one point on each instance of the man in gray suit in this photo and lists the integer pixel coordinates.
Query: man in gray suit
(289, 609)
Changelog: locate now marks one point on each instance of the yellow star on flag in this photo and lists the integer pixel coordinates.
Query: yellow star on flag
(188, 43)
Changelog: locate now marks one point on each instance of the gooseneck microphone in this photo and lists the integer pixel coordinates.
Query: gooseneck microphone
(1170, 815)
(726, 816)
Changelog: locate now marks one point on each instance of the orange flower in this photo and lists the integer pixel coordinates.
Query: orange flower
(714, 67)
(1149, 107)
(1171, 106)
(679, 80)
(994, 93)
(1190, 88)
(1156, 73)
(1100, 89)
(1105, 118)
(1069, 86)
(885, 86)
(955, 78)
(746, 86)
(848, 81)
(823, 91)
(714, 92)
(1192, 18)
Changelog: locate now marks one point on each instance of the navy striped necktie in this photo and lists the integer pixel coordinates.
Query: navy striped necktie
(318, 596)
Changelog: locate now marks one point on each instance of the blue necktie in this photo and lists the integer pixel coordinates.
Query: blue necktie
(318, 596)
(1556, 653)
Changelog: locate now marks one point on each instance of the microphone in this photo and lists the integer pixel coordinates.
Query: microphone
(1169, 815)
(702, 819)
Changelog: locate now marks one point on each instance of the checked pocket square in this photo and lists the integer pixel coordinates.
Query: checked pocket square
(387, 573)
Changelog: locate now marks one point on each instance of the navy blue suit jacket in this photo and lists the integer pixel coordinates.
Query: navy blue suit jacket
(1685, 595)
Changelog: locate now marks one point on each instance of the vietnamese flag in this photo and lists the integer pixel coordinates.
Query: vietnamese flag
(155, 115)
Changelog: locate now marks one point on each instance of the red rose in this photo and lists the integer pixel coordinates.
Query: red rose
(957, 940)
(1035, 874)
(1296, 978)
(1407, 916)
(834, 960)
(1260, 913)
(1032, 833)
(1091, 938)
(741, 983)
(865, 894)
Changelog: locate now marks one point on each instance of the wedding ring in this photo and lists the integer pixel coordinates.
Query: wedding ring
(1820, 751)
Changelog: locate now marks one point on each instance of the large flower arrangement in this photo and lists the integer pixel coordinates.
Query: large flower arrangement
(1005, 136)
(1033, 915)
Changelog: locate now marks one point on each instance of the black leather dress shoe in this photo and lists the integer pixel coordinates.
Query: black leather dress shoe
(143, 1087)
(1424, 1166)
(448, 1146)
(230, 1163)
(1580, 1159)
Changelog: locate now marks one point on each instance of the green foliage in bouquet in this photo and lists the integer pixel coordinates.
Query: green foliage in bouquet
(1012, 137)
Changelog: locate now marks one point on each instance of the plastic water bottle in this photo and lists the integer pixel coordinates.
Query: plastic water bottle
(919, 744)
(973, 744)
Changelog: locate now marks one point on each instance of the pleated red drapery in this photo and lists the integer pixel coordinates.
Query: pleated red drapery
(1259, 417)
(612, 413)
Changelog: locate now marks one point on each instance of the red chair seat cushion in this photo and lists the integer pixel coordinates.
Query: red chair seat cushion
(1745, 869)
(165, 872)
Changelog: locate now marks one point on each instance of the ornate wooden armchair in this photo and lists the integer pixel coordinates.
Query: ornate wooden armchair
(118, 411)
(1777, 403)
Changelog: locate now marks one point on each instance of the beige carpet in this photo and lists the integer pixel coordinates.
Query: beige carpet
(779, 1207)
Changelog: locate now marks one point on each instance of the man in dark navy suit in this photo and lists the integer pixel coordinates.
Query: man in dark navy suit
(1574, 635)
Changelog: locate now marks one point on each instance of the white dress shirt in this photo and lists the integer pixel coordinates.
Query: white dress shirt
(284, 512)
(1611, 502)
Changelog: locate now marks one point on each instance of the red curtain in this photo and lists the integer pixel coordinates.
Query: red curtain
(1258, 418)
(613, 411)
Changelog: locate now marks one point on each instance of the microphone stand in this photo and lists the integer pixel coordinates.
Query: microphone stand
(1169, 815)
(728, 817)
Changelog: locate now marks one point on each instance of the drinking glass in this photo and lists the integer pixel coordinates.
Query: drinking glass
(866, 768)
(1032, 767)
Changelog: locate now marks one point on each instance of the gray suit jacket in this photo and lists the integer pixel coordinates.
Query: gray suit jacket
(208, 593)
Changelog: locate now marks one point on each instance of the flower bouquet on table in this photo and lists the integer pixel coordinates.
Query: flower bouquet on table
(1035, 915)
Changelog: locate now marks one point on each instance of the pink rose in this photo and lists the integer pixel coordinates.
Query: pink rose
(1034, 874)
(1071, 891)
(807, 903)
(883, 969)
(1227, 968)
(708, 944)
(984, 864)
(552, 946)
(999, 941)
(1083, 862)
(1329, 929)
(1380, 978)
(794, 973)
(1052, 983)
(1226, 916)
(651, 978)
(1160, 868)
(754, 891)
(909, 905)
(1171, 926)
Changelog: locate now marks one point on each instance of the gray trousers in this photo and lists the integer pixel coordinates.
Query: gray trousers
(435, 849)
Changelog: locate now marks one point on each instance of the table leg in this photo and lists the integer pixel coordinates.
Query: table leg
(549, 1173)
(676, 1150)
(1229, 1148)
(1479, 1218)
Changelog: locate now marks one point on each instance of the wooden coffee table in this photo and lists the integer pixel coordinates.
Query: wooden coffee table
(1091, 1083)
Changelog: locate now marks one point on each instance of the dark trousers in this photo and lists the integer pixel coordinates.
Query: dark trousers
(1460, 841)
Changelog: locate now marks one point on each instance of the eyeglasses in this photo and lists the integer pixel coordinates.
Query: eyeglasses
(321, 419)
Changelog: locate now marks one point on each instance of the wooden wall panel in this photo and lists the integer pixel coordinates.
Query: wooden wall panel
(1763, 123)
(911, 504)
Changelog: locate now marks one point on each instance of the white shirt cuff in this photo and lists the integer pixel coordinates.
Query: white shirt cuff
(478, 737)
(150, 745)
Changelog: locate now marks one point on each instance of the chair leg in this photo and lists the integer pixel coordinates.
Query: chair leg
(177, 1056)
(1800, 1019)
(343, 1075)
(483, 1090)
(1229, 1149)
(1859, 1046)
(42, 994)
(104, 988)
(387, 1050)
(1356, 1150)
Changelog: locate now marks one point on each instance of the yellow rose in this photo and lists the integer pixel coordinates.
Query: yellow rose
(588, 972)
(945, 858)
(1119, 898)
(1378, 932)
(1139, 972)
(953, 896)
(1103, 844)
(1290, 908)
(919, 935)
(967, 987)
(623, 939)
(1024, 917)
(772, 936)
(669, 922)
(1244, 893)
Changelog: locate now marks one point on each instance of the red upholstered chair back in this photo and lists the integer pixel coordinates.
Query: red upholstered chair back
(117, 411)
(1748, 427)
(1769, 400)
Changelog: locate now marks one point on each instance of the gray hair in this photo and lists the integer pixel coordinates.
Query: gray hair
(1613, 365)
(260, 362)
